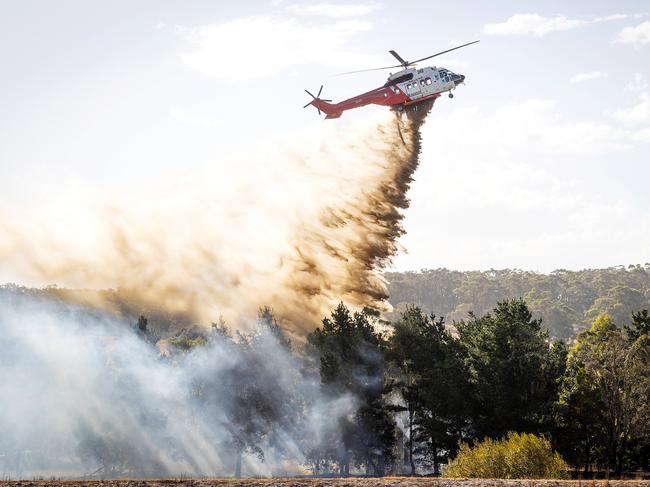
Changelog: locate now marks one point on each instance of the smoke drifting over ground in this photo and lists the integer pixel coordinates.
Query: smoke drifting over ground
(298, 229)
(83, 394)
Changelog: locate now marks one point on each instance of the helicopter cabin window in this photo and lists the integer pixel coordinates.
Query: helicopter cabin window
(428, 81)
(400, 79)
(421, 82)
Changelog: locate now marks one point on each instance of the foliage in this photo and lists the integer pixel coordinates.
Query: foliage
(639, 326)
(567, 301)
(605, 395)
(431, 378)
(186, 343)
(492, 376)
(351, 356)
(422, 391)
(260, 407)
(510, 370)
(518, 456)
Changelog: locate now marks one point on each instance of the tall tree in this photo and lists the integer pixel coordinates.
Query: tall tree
(405, 354)
(351, 361)
(433, 386)
(509, 362)
(612, 373)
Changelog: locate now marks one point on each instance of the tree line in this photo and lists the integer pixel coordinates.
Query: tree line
(568, 301)
(423, 389)
(366, 394)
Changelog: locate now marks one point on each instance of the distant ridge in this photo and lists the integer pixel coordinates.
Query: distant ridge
(567, 301)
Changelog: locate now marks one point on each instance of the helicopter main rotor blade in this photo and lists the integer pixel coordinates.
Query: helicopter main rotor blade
(442, 52)
(371, 69)
(399, 58)
(406, 64)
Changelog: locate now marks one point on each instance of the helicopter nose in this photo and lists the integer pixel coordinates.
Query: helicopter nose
(459, 79)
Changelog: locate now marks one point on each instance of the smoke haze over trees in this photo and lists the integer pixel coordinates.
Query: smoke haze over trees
(86, 394)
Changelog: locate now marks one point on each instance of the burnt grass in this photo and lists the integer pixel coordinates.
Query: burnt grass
(325, 482)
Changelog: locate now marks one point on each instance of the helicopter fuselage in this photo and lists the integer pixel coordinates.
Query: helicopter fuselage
(405, 88)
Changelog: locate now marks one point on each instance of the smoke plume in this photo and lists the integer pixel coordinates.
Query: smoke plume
(84, 393)
(84, 396)
(299, 228)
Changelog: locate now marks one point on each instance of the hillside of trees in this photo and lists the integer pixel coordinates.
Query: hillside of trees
(567, 301)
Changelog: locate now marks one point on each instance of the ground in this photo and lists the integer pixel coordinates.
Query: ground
(310, 482)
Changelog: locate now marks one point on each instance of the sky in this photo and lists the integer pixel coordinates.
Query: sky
(539, 162)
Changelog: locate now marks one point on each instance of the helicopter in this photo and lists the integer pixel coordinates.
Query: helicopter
(403, 90)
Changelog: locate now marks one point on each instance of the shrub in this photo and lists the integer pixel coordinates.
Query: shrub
(186, 343)
(520, 455)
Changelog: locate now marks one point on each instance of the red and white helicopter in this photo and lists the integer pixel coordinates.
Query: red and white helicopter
(406, 88)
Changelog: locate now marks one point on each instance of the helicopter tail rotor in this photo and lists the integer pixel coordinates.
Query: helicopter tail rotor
(316, 99)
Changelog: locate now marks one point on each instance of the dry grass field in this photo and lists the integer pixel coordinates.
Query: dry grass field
(329, 482)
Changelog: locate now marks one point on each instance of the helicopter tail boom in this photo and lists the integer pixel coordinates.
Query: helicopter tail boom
(329, 109)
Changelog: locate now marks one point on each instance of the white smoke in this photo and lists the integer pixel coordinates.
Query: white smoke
(83, 395)
(296, 228)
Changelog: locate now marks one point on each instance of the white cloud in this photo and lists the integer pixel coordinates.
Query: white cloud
(638, 114)
(536, 25)
(263, 46)
(638, 83)
(580, 77)
(636, 36)
(333, 9)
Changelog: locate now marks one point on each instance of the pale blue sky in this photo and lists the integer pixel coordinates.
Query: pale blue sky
(539, 162)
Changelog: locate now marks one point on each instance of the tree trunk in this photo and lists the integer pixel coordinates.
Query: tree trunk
(411, 461)
(436, 463)
(238, 465)
(587, 459)
(344, 466)
(619, 459)
(380, 471)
